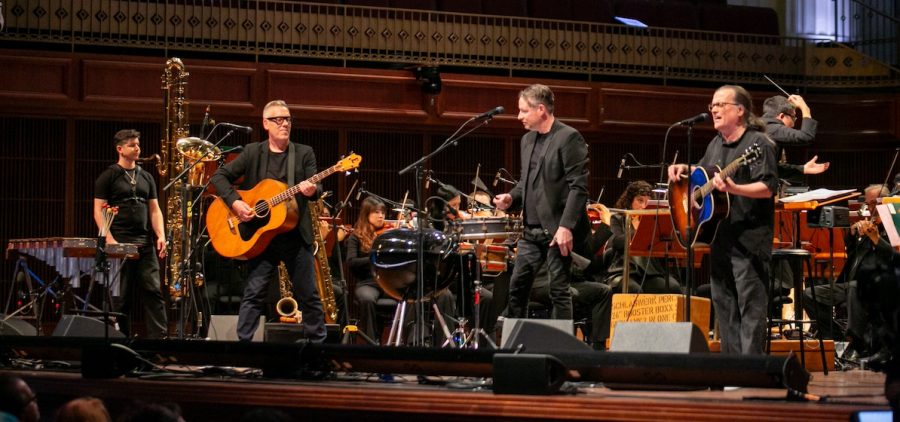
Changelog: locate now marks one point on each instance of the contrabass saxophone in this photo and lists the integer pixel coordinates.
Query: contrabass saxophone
(174, 85)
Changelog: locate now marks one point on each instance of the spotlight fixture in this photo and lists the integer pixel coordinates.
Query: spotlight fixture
(430, 78)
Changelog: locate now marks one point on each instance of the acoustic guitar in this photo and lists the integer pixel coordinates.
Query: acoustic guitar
(710, 206)
(275, 210)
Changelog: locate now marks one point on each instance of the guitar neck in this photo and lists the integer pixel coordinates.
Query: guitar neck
(294, 190)
(725, 172)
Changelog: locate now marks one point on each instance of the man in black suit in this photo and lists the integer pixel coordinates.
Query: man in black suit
(271, 160)
(552, 194)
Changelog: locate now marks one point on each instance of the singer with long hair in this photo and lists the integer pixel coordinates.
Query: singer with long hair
(742, 250)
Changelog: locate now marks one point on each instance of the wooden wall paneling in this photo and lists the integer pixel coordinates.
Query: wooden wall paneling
(370, 97)
(34, 82)
(649, 110)
(230, 90)
(109, 85)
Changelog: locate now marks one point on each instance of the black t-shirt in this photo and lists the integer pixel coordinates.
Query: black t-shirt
(129, 190)
(531, 215)
(276, 167)
(750, 219)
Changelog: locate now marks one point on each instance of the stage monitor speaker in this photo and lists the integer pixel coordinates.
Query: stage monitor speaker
(110, 360)
(541, 336)
(658, 337)
(278, 332)
(16, 327)
(82, 326)
(224, 328)
(527, 374)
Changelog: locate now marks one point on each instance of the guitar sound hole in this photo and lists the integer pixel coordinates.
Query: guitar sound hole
(249, 228)
(262, 209)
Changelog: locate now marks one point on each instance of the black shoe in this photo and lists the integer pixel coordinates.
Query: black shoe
(878, 361)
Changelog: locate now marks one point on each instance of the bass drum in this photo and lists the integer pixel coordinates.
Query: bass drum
(394, 255)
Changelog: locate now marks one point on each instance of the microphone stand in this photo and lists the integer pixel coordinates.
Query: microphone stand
(689, 274)
(418, 165)
(185, 269)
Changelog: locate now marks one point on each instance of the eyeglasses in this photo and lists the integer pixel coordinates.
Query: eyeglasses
(792, 116)
(719, 105)
(279, 120)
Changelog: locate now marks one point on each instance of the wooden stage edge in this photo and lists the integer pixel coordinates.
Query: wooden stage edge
(370, 397)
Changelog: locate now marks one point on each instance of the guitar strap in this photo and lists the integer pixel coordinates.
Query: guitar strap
(290, 164)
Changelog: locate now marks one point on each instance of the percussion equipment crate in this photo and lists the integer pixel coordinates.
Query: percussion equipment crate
(657, 308)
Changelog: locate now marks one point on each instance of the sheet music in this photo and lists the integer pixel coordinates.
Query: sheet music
(815, 195)
(890, 218)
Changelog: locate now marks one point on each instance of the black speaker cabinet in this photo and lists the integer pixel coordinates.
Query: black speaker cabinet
(541, 336)
(16, 327)
(82, 326)
(527, 374)
(277, 332)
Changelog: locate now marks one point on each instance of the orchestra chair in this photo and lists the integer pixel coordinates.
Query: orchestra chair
(796, 260)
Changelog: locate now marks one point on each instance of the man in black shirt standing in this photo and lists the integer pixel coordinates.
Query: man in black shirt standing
(126, 186)
(553, 193)
(280, 159)
(742, 249)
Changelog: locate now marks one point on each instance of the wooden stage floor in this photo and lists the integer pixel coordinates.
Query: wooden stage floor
(219, 395)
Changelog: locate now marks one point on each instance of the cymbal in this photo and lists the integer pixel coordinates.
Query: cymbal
(194, 148)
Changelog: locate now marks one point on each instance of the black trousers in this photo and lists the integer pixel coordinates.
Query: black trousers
(534, 251)
(298, 259)
(140, 281)
(739, 284)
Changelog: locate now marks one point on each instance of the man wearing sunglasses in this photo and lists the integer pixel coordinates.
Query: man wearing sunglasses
(280, 159)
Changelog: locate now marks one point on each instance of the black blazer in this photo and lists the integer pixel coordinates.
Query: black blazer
(562, 183)
(252, 165)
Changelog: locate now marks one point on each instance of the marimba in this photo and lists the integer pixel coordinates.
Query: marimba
(72, 257)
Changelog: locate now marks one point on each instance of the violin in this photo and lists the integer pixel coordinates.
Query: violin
(388, 225)
(598, 213)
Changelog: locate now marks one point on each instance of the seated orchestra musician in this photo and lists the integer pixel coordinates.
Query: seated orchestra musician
(867, 246)
(647, 275)
(367, 292)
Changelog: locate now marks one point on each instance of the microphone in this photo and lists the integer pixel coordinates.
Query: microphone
(205, 123)
(362, 188)
(621, 167)
(496, 178)
(233, 150)
(245, 129)
(490, 113)
(700, 118)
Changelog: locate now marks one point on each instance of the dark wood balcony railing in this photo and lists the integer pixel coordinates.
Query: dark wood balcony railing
(352, 33)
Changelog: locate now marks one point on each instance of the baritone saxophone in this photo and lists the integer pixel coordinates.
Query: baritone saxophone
(323, 270)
